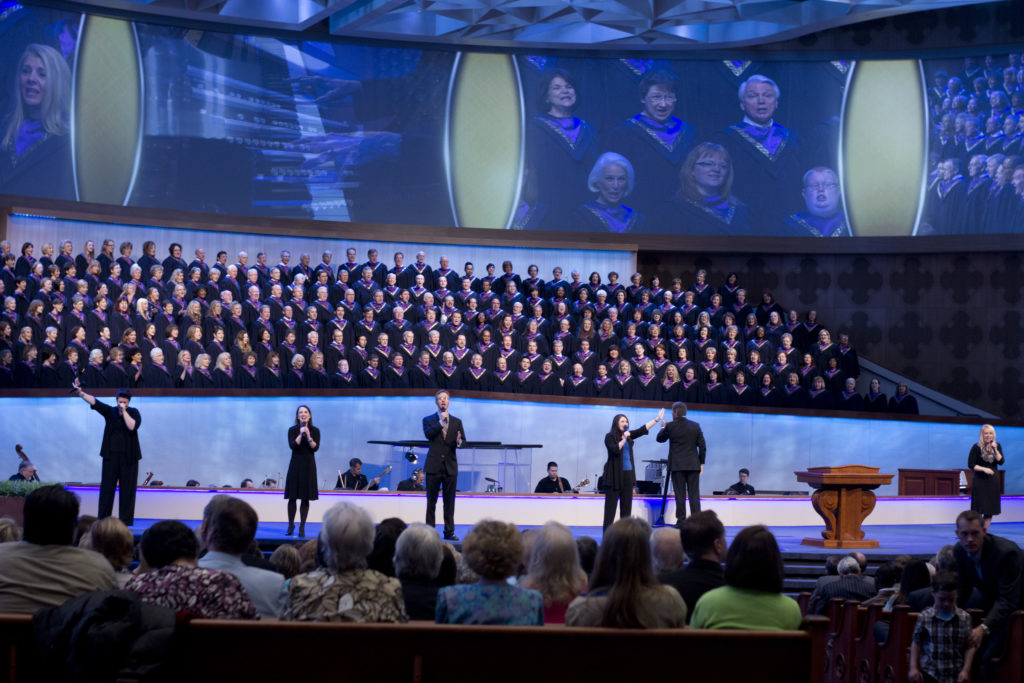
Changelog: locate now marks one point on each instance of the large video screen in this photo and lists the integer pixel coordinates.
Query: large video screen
(110, 111)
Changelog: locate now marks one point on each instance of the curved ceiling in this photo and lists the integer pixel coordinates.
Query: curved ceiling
(625, 24)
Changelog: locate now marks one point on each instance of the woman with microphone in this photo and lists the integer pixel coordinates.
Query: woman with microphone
(620, 470)
(300, 484)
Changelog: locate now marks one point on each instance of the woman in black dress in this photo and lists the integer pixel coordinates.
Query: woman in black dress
(984, 460)
(300, 484)
(620, 468)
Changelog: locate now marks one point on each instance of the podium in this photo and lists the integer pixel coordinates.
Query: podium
(844, 497)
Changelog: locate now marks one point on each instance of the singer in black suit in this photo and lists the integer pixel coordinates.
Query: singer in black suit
(120, 452)
(686, 454)
(300, 484)
(445, 434)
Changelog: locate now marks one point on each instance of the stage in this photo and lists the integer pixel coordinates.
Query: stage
(915, 525)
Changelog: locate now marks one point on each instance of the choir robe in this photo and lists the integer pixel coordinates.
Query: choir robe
(357, 356)
(974, 209)
(903, 405)
(549, 385)
(396, 378)
(946, 205)
(710, 216)
(820, 399)
(159, 377)
(850, 401)
(769, 398)
(792, 397)
(670, 391)
(341, 380)
(876, 403)
(606, 388)
(526, 382)
(422, 377)
(247, 377)
(714, 393)
(737, 396)
(657, 151)
(369, 378)
(93, 377)
(588, 360)
(476, 379)
(767, 165)
(559, 154)
(597, 217)
(804, 224)
(269, 379)
(314, 379)
(503, 381)
(580, 387)
(648, 388)
(447, 377)
(203, 379)
(627, 386)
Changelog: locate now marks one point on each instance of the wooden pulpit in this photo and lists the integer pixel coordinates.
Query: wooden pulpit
(844, 497)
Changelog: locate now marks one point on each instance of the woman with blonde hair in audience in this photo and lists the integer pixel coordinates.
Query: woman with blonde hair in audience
(752, 596)
(418, 556)
(343, 589)
(553, 569)
(624, 591)
(113, 540)
(286, 560)
(492, 550)
(10, 532)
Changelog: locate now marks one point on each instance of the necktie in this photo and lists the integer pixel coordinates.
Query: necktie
(444, 427)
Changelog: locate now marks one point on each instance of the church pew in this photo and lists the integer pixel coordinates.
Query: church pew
(1011, 664)
(840, 640)
(894, 654)
(865, 647)
(236, 650)
(15, 644)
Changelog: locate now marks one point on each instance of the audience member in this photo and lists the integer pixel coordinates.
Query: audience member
(9, 530)
(418, 557)
(623, 590)
(385, 535)
(703, 540)
(553, 569)
(752, 595)
(849, 586)
(941, 649)
(169, 576)
(944, 560)
(44, 569)
(343, 589)
(114, 541)
(228, 528)
(992, 565)
(285, 560)
(666, 551)
(587, 549)
(493, 551)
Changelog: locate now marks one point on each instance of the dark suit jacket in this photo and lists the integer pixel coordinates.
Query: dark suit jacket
(694, 580)
(999, 583)
(686, 447)
(850, 587)
(441, 457)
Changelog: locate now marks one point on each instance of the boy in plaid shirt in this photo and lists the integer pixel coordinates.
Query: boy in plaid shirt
(939, 652)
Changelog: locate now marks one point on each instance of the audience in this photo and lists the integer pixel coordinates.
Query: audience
(623, 590)
(666, 551)
(169, 576)
(344, 589)
(703, 540)
(752, 595)
(9, 530)
(587, 549)
(554, 570)
(385, 536)
(493, 551)
(228, 528)
(114, 541)
(44, 569)
(417, 563)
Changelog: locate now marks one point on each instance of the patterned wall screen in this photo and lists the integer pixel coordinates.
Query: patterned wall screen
(110, 111)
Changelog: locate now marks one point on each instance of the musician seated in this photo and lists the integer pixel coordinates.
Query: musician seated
(413, 483)
(247, 484)
(269, 483)
(26, 472)
(741, 488)
(355, 480)
(554, 483)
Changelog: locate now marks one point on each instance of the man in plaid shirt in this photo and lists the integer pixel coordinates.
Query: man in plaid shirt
(940, 652)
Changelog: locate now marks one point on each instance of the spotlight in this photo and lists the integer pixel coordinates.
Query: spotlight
(412, 457)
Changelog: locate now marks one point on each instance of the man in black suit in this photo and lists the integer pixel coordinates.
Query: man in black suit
(992, 565)
(703, 537)
(445, 434)
(686, 454)
(121, 453)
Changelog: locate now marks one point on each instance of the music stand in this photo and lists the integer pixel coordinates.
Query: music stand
(664, 492)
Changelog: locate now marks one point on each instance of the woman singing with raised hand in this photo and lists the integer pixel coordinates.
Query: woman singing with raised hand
(620, 469)
(304, 440)
(984, 460)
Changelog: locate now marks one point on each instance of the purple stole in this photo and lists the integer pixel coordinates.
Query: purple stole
(600, 382)
(739, 389)
(523, 374)
(361, 351)
(251, 369)
(622, 379)
(477, 372)
(849, 394)
(448, 370)
(409, 349)
(433, 349)
(646, 379)
(583, 356)
(713, 385)
(484, 348)
(425, 369)
(792, 388)
(383, 350)
(397, 370)
(459, 353)
(502, 375)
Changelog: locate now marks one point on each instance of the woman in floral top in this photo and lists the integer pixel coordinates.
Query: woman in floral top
(170, 577)
(493, 550)
(344, 589)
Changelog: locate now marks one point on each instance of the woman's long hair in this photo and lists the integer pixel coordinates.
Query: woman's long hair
(615, 431)
(553, 567)
(56, 98)
(624, 572)
(687, 174)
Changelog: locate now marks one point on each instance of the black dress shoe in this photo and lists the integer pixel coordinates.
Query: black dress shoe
(291, 530)
(451, 537)
(302, 530)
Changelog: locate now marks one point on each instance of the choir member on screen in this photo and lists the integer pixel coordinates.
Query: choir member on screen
(823, 215)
